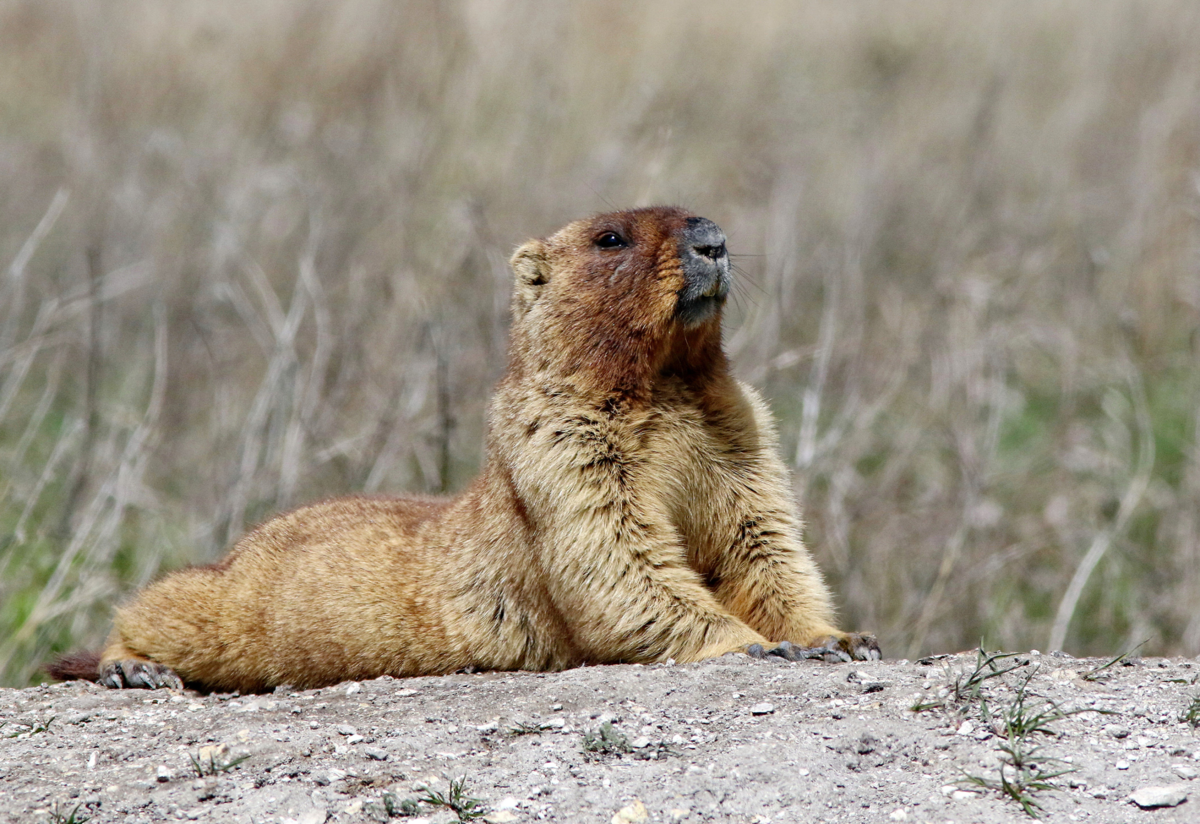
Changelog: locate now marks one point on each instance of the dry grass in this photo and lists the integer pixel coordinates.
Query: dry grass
(255, 254)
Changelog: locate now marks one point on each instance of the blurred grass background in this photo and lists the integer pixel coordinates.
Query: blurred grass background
(255, 254)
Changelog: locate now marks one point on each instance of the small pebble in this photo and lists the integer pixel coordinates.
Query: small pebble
(205, 788)
(1122, 765)
(632, 814)
(1150, 797)
(354, 688)
(1184, 771)
(346, 729)
(640, 743)
(375, 753)
(762, 709)
(163, 773)
(966, 728)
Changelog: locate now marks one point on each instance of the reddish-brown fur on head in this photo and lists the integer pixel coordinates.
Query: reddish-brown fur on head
(610, 302)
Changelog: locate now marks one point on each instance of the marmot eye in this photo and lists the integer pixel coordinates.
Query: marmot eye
(610, 240)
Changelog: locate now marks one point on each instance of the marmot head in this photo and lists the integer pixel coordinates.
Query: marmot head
(615, 299)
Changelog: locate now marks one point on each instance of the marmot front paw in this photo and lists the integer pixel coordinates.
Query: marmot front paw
(854, 646)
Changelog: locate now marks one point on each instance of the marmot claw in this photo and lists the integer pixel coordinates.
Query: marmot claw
(139, 675)
(856, 646)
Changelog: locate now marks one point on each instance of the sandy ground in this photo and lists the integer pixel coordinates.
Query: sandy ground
(733, 740)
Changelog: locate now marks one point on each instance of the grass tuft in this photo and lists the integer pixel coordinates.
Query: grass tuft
(1099, 672)
(59, 815)
(214, 764)
(607, 740)
(30, 729)
(455, 799)
(1026, 769)
(1191, 713)
(967, 686)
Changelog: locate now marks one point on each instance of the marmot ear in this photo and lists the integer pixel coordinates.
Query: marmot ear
(532, 271)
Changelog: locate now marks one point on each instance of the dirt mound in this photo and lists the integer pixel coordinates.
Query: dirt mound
(725, 740)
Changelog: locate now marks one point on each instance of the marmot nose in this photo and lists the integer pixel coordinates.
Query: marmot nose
(705, 270)
(704, 238)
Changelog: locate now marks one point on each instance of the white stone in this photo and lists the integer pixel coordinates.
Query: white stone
(1149, 797)
(632, 814)
(1184, 771)
(762, 709)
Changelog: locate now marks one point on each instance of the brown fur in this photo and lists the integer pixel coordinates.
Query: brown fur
(632, 507)
(83, 666)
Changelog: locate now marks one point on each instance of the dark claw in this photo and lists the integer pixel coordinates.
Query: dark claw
(139, 674)
(786, 651)
(110, 676)
(864, 647)
(856, 646)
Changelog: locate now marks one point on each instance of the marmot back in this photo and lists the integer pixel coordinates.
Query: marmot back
(632, 508)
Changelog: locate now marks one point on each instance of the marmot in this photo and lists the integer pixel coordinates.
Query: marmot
(632, 508)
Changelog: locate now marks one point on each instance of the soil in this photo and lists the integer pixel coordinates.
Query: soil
(732, 739)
